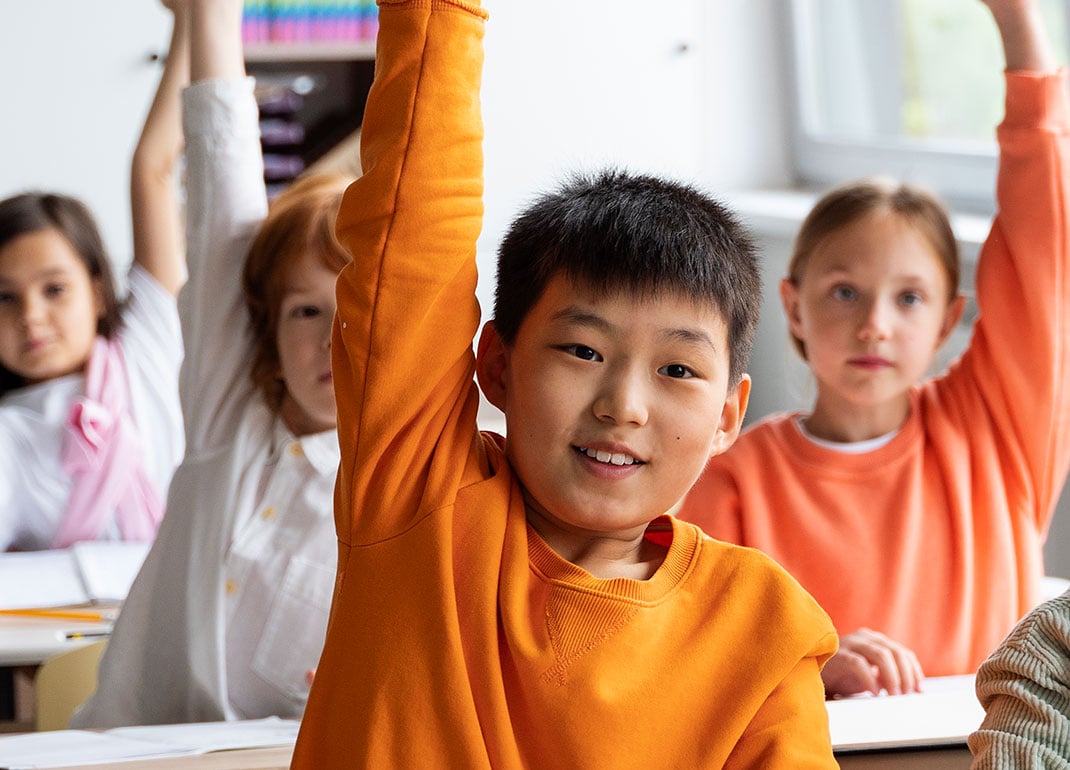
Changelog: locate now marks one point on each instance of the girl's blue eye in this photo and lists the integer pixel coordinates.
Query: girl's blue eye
(677, 371)
(845, 293)
(305, 311)
(910, 298)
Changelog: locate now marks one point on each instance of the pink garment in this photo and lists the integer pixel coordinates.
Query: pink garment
(102, 452)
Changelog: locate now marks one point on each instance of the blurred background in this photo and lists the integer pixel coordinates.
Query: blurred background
(763, 102)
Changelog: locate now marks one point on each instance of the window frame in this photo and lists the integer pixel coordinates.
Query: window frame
(963, 174)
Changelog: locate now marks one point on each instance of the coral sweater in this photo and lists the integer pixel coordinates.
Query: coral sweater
(457, 637)
(935, 539)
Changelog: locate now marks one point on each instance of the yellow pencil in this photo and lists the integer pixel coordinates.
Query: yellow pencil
(59, 614)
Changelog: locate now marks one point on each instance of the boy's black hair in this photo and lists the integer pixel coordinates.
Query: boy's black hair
(617, 232)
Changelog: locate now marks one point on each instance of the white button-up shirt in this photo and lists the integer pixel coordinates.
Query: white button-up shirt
(230, 608)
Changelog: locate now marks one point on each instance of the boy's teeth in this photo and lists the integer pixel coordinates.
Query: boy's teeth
(607, 457)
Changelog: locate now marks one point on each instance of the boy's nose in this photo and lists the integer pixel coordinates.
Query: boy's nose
(623, 400)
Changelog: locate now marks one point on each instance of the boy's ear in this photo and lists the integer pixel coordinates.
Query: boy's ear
(735, 407)
(492, 361)
(952, 316)
(789, 298)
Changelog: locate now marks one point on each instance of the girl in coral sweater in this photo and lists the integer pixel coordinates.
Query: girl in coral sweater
(916, 513)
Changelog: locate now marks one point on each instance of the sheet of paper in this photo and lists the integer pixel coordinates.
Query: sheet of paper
(945, 714)
(40, 579)
(62, 748)
(217, 736)
(108, 569)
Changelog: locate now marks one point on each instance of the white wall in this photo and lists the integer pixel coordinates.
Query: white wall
(77, 83)
(567, 85)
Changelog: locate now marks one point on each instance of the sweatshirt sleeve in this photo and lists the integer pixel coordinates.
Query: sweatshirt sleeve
(1024, 691)
(1018, 356)
(788, 731)
(226, 203)
(407, 313)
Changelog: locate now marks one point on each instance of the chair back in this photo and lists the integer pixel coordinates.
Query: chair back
(65, 682)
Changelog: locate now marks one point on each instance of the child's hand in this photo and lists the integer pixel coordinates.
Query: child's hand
(868, 661)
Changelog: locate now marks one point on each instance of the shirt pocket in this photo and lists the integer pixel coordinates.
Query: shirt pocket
(293, 637)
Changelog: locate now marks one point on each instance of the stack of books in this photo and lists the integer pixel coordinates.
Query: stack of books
(304, 21)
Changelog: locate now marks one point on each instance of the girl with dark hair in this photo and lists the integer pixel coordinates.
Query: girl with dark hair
(90, 425)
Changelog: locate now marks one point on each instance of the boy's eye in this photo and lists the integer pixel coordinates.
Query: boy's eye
(54, 289)
(6, 298)
(583, 352)
(677, 371)
(910, 298)
(844, 293)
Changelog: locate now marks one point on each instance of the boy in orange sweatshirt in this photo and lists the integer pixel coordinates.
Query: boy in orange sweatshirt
(525, 602)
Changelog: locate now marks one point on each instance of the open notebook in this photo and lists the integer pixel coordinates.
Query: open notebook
(89, 572)
(943, 715)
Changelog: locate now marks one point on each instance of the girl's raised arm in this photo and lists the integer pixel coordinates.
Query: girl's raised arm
(1021, 28)
(154, 206)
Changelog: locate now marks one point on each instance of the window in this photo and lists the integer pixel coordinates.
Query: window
(909, 88)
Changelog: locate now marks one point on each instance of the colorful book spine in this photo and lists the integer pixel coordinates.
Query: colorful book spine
(292, 21)
(255, 21)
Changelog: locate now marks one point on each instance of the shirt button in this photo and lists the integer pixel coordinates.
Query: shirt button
(232, 587)
(268, 514)
(296, 450)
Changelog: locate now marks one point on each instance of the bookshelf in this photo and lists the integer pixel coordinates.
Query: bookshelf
(313, 61)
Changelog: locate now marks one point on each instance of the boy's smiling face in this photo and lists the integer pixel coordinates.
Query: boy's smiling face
(613, 405)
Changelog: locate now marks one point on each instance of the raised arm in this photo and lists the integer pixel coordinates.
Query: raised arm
(1021, 28)
(407, 314)
(217, 51)
(226, 203)
(154, 207)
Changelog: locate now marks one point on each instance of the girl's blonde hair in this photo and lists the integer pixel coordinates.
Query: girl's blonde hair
(300, 221)
(852, 201)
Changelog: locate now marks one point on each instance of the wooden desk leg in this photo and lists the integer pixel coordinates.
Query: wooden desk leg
(25, 697)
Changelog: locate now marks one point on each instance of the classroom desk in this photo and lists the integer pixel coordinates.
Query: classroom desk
(926, 731)
(947, 758)
(25, 643)
(30, 641)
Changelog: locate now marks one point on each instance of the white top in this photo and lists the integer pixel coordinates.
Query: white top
(33, 487)
(230, 610)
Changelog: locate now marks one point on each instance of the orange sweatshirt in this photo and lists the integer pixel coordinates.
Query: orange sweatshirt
(458, 638)
(935, 538)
